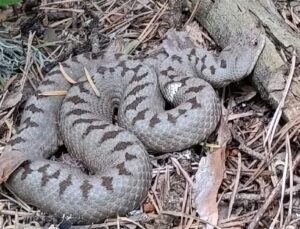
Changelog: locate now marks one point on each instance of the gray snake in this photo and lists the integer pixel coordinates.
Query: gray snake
(116, 155)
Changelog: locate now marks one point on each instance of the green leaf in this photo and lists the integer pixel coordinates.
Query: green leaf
(8, 2)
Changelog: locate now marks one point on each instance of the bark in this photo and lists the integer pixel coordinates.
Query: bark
(225, 19)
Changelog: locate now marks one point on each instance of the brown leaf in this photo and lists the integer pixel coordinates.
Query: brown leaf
(9, 162)
(149, 207)
(207, 182)
(12, 99)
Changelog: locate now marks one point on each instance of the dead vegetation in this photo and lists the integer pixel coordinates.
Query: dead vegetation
(251, 182)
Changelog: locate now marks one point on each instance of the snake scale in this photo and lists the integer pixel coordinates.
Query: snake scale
(116, 155)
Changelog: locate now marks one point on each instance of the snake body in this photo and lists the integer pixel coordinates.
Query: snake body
(116, 155)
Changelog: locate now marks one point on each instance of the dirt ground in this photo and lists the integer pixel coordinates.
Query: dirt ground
(253, 177)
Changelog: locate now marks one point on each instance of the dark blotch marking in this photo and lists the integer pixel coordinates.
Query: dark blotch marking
(65, 184)
(223, 64)
(107, 182)
(124, 67)
(170, 70)
(118, 55)
(87, 56)
(101, 70)
(203, 67)
(161, 54)
(111, 70)
(194, 103)
(135, 103)
(30, 123)
(175, 57)
(84, 120)
(110, 135)
(122, 64)
(122, 146)
(203, 59)
(54, 72)
(34, 109)
(183, 81)
(123, 72)
(96, 55)
(139, 116)
(197, 60)
(195, 89)
(137, 68)
(56, 174)
(48, 82)
(129, 157)
(172, 77)
(123, 170)
(77, 112)
(75, 59)
(65, 65)
(94, 127)
(212, 69)
(85, 188)
(182, 111)
(75, 100)
(171, 119)
(16, 140)
(192, 54)
(81, 87)
(21, 130)
(43, 168)
(136, 89)
(46, 177)
(166, 72)
(137, 78)
(154, 120)
(27, 170)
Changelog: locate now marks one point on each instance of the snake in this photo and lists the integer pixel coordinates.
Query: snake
(115, 150)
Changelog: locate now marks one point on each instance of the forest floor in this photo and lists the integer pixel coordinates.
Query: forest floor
(247, 178)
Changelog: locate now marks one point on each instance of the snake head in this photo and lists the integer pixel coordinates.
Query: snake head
(244, 55)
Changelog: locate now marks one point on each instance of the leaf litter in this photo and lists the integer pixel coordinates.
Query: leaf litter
(252, 181)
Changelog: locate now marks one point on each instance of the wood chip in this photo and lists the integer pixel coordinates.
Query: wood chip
(54, 93)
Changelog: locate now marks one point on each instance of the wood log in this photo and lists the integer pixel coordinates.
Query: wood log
(226, 19)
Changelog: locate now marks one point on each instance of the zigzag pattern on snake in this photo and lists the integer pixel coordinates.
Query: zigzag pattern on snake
(116, 156)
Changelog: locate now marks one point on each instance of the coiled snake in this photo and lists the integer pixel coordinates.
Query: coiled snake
(116, 156)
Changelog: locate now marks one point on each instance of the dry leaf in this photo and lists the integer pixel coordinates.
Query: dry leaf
(12, 99)
(9, 162)
(149, 207)
(207, 182)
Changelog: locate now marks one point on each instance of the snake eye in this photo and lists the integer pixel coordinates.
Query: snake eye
(255, 42)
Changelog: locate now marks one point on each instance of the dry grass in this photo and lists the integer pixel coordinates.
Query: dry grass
(261, 183)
